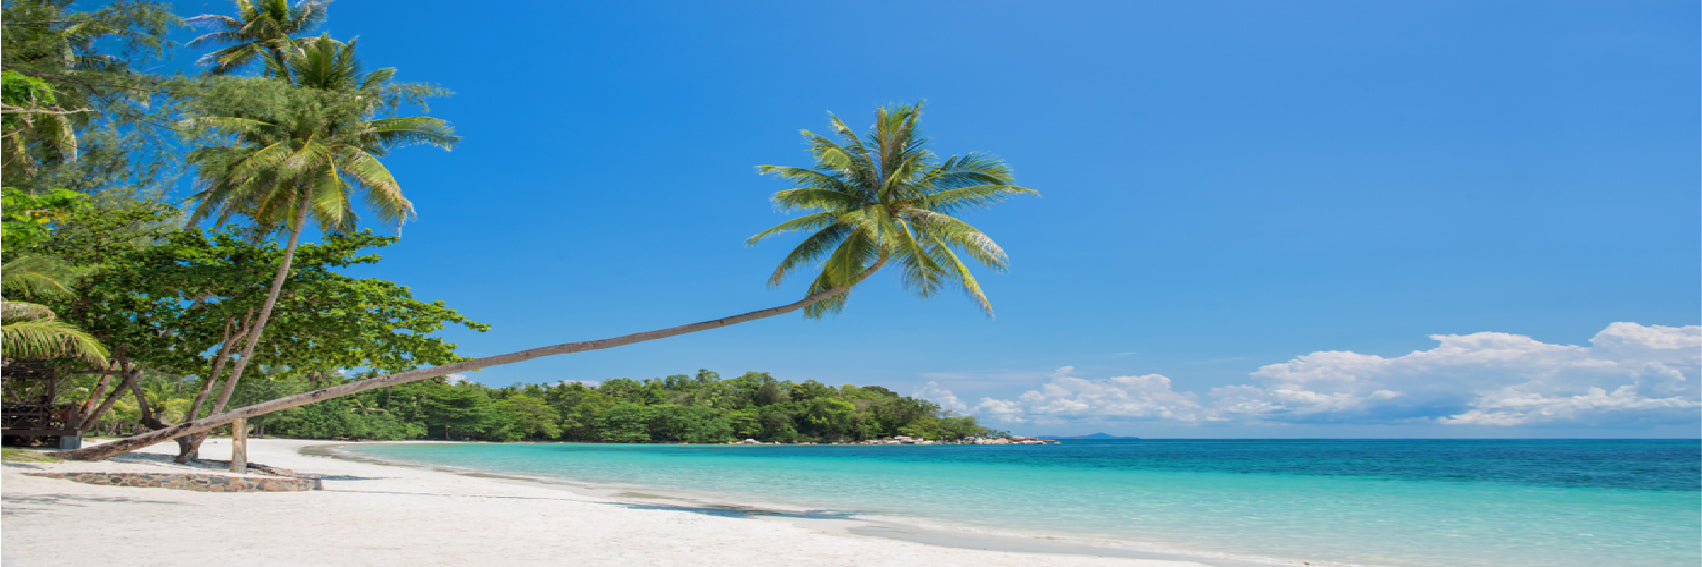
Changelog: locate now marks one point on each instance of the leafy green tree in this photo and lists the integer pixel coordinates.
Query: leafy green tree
(78, 111)
(183, 303)
(691, 424)
(527, 417)
(624, 423)
(459, 409)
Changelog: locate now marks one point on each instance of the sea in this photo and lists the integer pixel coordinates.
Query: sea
(1389, 503)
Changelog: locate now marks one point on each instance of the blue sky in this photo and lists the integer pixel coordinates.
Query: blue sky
(1307, 219)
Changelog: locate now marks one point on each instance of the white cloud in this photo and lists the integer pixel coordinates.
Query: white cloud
(1066, 397)
(1630, 374)
(455, 378)
(934, 393)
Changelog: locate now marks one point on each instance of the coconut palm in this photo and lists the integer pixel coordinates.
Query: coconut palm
(887, 197)
(302, 152)
(881, 198)
(261, 28)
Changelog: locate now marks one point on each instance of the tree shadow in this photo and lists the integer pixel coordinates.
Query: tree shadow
(739, 511)
(37, 502)
(341, 477)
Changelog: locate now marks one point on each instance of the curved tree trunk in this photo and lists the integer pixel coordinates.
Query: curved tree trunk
(266, 308)
(119, 447)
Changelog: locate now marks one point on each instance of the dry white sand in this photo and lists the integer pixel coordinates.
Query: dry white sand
(372, 514)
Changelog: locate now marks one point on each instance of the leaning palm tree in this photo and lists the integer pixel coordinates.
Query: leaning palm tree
(261, 28)
(302, 153)
(884, 198)
(879, 198)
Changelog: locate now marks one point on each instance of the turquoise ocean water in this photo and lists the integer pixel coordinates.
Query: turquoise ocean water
(1394, 503)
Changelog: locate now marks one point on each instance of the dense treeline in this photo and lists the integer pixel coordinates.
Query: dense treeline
(700, 408)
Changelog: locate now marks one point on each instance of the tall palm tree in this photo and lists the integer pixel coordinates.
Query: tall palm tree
(880, 198)
(303, 154)
(261, 28)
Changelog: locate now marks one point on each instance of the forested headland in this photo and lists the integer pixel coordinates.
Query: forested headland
(681, 408)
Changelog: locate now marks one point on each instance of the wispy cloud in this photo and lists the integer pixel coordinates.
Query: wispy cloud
(1630, 374)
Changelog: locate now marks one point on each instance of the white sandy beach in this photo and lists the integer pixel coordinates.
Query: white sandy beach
(372, 514)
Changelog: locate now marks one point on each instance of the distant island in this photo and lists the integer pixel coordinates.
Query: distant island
(1088, 436)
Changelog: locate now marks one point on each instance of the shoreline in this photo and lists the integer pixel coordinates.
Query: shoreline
(370, 513)
(849, 523)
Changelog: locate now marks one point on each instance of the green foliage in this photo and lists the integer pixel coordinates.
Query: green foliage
(312, 143)
(30, 330)
(699, 408)
(886, 197)
(30, 219)
(79, 115)
(168, 305)
(259, 29)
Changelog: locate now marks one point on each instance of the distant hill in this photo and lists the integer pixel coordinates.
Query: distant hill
(1088, 436)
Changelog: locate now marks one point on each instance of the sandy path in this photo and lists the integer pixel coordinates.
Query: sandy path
(371, 514)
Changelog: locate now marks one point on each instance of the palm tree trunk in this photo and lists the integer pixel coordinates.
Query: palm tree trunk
(266, 308)
(122, 446)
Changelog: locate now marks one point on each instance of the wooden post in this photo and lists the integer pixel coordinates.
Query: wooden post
(239, 446)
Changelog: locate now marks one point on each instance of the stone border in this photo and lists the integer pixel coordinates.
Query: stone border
(195, 482)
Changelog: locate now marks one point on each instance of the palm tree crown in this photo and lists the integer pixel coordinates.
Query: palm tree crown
(312, 148)
(887, 197)
(260, 28)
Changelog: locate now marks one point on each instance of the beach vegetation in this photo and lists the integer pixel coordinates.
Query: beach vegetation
(302, 141)
(673, 409)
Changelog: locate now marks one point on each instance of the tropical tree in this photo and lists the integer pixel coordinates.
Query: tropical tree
(260, 28)
(302, 152)
(74, 89)
(887, 197)
(881, 197)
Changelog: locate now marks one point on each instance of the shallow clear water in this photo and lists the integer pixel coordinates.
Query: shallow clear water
(1397, 503)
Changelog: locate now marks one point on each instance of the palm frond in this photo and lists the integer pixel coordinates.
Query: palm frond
(30, 276)
(808, 178)
(404, 130)
(823, 241)
(806, 222)
(963, 236)
(817, 199)
(48, 338)
(959, 272)
(979, 196)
